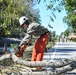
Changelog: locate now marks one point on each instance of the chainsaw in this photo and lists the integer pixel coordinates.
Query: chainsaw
(18, 50)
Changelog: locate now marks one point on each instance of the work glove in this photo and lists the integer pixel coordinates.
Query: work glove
(20, 50)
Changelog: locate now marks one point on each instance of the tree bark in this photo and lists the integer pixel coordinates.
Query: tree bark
(5, 56)
(56, 72)
(57, 64)
(61, 66)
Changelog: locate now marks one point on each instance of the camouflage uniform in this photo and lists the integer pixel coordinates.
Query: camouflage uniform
(33, 29)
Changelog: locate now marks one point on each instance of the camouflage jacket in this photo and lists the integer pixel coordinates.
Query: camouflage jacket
(33, 29)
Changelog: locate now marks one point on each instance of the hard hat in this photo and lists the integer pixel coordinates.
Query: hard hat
(22, 20)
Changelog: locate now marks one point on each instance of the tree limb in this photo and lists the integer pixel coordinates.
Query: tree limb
(61, 66)
(57, 64)
(5, 56)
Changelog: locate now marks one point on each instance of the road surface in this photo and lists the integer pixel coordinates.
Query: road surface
(61, 50)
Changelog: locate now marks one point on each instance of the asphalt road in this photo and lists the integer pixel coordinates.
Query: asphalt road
(61, 50)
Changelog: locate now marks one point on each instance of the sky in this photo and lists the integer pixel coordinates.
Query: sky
(58, 24)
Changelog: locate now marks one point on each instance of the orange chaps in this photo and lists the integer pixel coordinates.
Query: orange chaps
(38, 49)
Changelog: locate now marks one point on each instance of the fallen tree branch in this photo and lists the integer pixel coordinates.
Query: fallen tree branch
(36, 73)
(5, 56)
(65, 64)
(57, 64)
(56, 72)
(67, 68)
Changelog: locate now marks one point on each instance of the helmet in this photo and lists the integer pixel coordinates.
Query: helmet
(22, 20)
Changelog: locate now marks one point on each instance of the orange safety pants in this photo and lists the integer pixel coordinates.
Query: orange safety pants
(39, 48)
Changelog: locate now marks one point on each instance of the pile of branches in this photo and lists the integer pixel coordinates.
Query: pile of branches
(24, 67)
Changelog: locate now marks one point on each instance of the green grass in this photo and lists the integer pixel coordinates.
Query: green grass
(50, 44)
